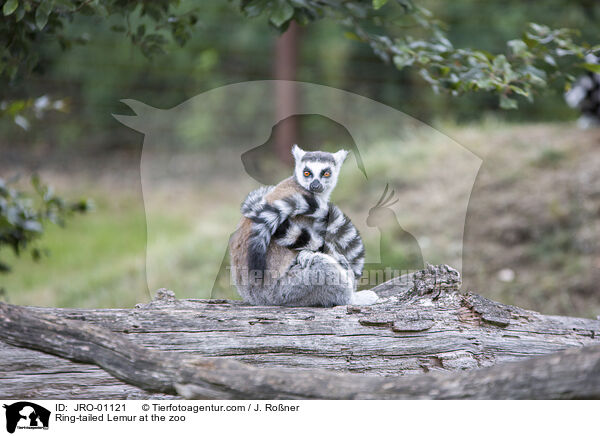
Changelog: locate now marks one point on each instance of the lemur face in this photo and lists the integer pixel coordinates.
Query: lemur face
(317, 171)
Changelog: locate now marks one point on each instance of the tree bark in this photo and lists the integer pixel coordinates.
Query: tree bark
(416, 342)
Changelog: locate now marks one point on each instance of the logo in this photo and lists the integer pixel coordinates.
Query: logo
(26, 415)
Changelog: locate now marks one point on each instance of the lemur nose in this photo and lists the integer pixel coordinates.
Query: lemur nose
(316, 186)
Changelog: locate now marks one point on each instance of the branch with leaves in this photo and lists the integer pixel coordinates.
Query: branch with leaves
(24, 215)
(403, 33)
(26, 22)
(400, 32)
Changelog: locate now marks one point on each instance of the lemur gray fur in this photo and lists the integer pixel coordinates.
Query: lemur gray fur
(293, 247)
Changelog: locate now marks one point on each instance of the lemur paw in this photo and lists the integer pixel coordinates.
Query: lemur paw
(305, 258)
(364, 298)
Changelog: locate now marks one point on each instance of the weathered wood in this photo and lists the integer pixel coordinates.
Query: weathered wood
(422, 325)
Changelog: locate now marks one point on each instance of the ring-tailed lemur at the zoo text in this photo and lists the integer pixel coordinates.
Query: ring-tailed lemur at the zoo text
(295, 248)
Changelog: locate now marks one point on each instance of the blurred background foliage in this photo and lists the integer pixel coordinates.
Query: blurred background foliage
(119, 50)
(104, 54)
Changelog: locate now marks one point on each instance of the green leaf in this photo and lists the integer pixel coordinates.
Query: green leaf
(594, 68)
(403, 60)
(500, 62)
(507, 102)
(352, 36)
(69, 5)
(20, 13)
(9, 7)
(359, 11)
(253, 8)
(377, 4)
(99, 9)
(33, 226)
(518, 47)
(519, 91)
(42, 13)
(535, 76)
(540, 29)
(282, 13)
(549, 60)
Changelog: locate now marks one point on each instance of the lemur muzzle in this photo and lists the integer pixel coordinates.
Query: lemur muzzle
(315, 186)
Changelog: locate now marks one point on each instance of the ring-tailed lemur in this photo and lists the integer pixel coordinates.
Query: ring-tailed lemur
(293, 247)
(331, 231)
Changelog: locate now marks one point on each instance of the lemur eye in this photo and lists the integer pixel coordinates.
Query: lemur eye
(306, 173)
(326, 174)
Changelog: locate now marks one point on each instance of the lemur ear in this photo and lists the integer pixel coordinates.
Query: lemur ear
(297, 152)
(340, 156)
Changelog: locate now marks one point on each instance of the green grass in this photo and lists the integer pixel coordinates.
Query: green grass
(97, 260)
(550, 158)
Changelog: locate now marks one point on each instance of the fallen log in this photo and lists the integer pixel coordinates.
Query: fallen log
(424, 339)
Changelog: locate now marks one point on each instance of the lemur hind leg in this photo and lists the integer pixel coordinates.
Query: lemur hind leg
(316, 279)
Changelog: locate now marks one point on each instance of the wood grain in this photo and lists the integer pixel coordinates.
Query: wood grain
(424, 339)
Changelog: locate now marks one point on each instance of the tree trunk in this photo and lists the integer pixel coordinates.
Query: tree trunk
(416, 342)
(287, 51)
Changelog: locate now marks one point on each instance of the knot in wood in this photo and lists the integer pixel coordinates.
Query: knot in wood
(436, 279)
(165, 295)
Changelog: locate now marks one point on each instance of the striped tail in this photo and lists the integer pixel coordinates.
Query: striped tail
(343, 241)
(273, 219)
